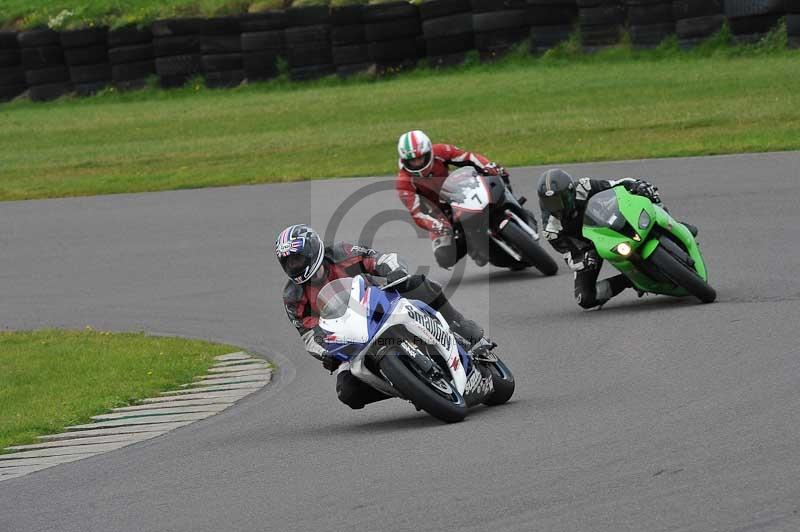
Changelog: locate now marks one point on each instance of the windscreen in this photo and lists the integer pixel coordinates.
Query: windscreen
(334, 297)
(460, 185)
(603, 211)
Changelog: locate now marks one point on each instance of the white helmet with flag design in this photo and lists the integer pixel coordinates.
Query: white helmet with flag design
(416, 153)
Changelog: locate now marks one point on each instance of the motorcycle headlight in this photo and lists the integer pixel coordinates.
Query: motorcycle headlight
(623, 249)
(644, 220)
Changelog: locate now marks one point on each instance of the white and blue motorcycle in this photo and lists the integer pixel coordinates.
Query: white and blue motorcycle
(405, 349)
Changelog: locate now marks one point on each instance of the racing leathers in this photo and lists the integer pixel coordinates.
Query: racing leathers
(565, 235)
(347, 260)
(420, 195)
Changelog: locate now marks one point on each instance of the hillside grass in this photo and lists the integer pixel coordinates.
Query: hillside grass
(51, 379)
(64, 14)
(564, 107)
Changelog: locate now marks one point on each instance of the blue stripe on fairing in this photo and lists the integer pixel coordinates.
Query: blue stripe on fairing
(387, 300)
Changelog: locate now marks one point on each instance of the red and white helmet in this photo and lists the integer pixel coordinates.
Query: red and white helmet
(416, 153)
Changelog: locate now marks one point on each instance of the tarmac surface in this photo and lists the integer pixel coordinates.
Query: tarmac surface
(651, 414)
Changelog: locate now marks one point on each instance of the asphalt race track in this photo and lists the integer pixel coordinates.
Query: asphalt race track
(652, 414)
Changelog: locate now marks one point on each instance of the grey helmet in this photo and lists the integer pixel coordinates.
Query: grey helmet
(556, 190)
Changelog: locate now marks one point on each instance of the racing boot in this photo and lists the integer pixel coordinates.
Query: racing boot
(611, 287)
(482, 350)
(468, 330)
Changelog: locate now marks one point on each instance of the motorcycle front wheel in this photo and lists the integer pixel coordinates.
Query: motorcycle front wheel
(682, 275)
(435, 395)
(530, 251)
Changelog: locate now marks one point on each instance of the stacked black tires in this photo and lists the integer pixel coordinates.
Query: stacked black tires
(394, 35)
(697, 20)
(447, 30)
(221, 49)
(176, 43)
(130, 52)
(12, 76)
(308, 42)
(350, 50)
(43, 61)
(601, 23)
(86, 56)
(650, 22)
(793, 24)
(499, 25)
(263, 43)
(750, 20)
(551, 22)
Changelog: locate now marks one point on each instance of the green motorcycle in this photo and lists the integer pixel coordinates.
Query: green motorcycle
(656, 252)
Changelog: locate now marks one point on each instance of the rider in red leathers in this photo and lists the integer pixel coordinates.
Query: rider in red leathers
(424, 167)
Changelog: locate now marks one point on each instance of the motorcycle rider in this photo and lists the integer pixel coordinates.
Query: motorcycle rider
(423, 169)
(310, 265)
(563, 203)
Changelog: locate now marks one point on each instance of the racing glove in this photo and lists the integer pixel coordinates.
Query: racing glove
(553, 228)
(645, 189)
(441, 228)
(494, 169)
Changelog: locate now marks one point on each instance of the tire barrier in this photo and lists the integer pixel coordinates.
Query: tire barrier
(176, 44)
(551, 22)
(649, 22)
(750, 20)
(12, 75)
(86, 57)
(43, 61)
(601, 23)
(349, 50)
(308, 43)
(394, 35)
(132, 58)
(221, 53)
(447, 31)
(263, 43)
(697, 20)
(499, 26)
(793, 24)
(378, 38)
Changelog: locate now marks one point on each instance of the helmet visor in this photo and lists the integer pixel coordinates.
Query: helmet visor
(303, 260)
(417, 163)
(295, 265)
(553, 204)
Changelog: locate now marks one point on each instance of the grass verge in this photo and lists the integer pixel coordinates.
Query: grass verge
(563, 107)
(51, 379)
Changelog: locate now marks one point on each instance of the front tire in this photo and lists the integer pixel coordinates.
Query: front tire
(682, 275)
(397, 367)
(530, 251)
(503, 382)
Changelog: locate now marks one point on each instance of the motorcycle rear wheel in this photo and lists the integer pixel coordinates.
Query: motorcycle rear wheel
(530, 251)
(682, 275)
(399, 368)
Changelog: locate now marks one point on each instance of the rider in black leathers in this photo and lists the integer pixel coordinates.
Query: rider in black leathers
(563, 203)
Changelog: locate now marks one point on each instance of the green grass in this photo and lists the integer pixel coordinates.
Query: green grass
(65, 14)
(565, 107)
(51, 379)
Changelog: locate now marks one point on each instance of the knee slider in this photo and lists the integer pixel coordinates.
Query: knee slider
(446, 256)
